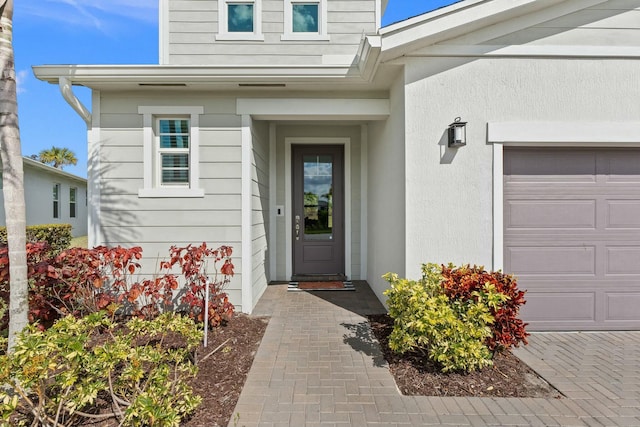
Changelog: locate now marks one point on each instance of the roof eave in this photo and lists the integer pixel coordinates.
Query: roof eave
(39, 165)
(456, 20)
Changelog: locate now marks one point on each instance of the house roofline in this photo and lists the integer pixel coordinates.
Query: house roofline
(458, 19)
(39, 165)
(89, 75)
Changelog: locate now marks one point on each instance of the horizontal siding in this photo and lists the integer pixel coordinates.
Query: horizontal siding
(193, 26)
(260, 208)
(158, 223)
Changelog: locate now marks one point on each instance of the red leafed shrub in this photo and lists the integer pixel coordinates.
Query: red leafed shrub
(192, 261)
(79, 281)
(508, 329)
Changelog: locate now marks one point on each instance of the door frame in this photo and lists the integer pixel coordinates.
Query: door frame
(288, 188)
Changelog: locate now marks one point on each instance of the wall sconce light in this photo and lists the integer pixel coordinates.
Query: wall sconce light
(457, 133)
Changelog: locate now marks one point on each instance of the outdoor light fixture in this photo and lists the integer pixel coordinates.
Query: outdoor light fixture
(457, 133)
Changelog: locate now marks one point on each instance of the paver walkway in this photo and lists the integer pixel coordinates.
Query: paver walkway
(318, 364)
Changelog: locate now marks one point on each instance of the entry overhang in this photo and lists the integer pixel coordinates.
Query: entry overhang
(313, 108)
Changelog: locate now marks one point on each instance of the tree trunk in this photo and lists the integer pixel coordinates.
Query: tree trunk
(12, 177)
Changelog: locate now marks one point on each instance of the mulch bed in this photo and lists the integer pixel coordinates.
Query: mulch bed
(415, 375)
(222, 375)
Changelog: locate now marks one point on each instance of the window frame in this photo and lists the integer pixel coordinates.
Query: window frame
(223, 21)
(73, 202)
(152, 182)
(57, 189)
(321, 35)
(159, 150)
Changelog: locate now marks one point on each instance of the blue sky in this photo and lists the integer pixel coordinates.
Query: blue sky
(95, 32)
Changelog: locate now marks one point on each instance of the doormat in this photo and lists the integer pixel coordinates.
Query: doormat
(321, 286)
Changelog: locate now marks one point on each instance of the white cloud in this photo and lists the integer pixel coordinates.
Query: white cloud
(303, 20)
(21, 77)
(98, 14)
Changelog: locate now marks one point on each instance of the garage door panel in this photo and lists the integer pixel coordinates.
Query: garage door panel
(623, 214)
(623, 260)
(551, 214)
(573, 240)
(622, 167)
(561, 261)
(565, 166)
(559, 307)
(622, 306)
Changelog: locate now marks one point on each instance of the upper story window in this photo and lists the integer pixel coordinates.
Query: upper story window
(171, 151)
(240, 20)
(73, 194)
(56, 200)
(305, 20)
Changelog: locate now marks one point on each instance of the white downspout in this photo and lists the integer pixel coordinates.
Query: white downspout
(67, 93)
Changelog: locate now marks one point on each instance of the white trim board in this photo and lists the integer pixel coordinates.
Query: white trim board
(288, 142)
(247, 234)
(94, 231)
(547, 135)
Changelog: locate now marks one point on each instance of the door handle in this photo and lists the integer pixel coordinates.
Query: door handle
(297, 227)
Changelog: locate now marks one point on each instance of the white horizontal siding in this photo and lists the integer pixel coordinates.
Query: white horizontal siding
(193, 26)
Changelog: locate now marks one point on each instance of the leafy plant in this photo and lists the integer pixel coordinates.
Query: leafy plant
(192, 260)
(80, 281)
(57, 236)
(92, 369)
(451, 332)
(508, 330)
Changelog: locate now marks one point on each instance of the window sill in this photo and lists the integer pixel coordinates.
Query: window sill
(171, 192)
(305, 37)
(240, 37)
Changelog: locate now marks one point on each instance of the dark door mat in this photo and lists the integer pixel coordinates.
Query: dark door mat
(321, 286)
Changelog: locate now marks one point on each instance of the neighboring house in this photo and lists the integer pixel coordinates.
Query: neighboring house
(257, 104)
(52, 196)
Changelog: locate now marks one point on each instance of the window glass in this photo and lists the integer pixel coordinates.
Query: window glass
(305, 18)
(56, 200)
(72, 202)
(240, 18)
(174, 133)
(175, 168)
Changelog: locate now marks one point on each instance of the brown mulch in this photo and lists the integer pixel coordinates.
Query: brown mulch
(417, 376)
(222, 375)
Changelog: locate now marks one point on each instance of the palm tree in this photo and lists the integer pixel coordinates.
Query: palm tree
(13, 178)
(58, 157)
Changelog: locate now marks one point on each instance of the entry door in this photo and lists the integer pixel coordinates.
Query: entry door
(318, 209)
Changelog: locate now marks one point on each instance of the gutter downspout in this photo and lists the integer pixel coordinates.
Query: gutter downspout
(67, 93)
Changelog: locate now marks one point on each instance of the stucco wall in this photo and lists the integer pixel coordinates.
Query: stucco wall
(449, 191)
(386, 196)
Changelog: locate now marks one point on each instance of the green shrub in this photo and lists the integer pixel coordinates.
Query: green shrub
(58, 236)
(61, 375)
(451, 332)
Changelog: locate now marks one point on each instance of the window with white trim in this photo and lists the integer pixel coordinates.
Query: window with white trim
(171, 151)
(305, 20)
(73, 194)
(240, 20)
(56, 200)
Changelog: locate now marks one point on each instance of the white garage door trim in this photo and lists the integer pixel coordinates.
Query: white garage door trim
(547, 134)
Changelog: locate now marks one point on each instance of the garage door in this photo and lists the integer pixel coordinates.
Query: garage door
(572, 236)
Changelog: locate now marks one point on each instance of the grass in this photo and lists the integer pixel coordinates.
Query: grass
(79, 242)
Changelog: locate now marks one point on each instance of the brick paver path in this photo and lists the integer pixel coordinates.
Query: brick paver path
(318, 364)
